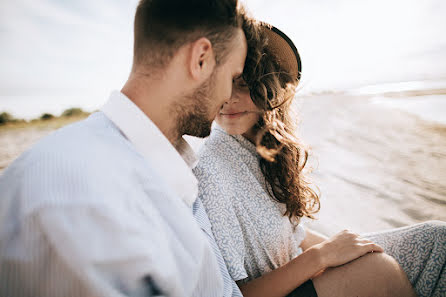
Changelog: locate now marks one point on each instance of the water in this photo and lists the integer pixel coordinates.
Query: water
(430, 108)
(424, 99)
(426, 86)
(378, 166)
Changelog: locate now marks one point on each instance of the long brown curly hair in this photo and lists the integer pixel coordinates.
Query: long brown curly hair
(283, 156)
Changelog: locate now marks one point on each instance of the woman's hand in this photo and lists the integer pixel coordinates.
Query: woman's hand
(344, 247)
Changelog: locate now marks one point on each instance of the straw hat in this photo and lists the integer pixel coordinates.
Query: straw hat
(284, 49)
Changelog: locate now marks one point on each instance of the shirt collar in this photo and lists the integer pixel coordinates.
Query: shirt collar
(245, 143)
(151, 143)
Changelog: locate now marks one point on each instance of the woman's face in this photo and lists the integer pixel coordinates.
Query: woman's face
(239, 114)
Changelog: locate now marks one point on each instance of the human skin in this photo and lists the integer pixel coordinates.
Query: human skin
(239, 114)
(160, 91)
(338, 265)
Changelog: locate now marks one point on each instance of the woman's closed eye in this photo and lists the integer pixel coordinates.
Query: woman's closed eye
(240, 83)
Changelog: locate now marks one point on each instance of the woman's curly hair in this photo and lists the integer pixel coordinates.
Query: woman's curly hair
(283, 157)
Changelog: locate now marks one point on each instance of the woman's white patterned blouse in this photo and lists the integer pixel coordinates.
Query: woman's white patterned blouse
(249, 227)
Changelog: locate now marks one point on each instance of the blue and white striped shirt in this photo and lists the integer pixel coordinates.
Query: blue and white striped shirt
(103, 208)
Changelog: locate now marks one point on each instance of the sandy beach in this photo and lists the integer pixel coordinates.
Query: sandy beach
(18, 137)
(376, 167)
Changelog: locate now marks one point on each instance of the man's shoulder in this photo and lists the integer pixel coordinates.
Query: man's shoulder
(92, 132)
(70, 165)
(88, 139)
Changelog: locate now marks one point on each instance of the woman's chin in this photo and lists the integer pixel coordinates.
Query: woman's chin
(233, 130)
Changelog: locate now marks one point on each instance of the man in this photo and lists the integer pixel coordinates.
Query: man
(104, 207)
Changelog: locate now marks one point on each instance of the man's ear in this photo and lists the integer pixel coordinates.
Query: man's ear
(202, 59)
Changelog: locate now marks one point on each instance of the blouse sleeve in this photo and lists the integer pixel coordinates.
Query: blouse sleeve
(300, 234)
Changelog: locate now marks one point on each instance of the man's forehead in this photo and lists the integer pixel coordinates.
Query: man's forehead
(239, 49)
(240, 40)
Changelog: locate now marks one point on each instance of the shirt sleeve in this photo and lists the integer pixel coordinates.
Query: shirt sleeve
(81, 251)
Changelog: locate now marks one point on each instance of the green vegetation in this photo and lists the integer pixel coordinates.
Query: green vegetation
(5, 118)
(73, 112)
(46, 120)
(46, 116)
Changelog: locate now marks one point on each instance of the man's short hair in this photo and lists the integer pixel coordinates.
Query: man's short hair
(163, 26)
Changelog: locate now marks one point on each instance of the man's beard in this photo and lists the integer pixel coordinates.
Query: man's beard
(193, 113)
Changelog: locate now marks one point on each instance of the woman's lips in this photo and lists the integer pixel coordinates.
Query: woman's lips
(232, 115)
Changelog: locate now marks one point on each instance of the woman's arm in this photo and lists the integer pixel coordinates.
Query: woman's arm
(312, 238)
(285, 279)
(338, 250)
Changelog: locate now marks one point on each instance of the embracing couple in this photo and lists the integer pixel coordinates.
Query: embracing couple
(119, 205)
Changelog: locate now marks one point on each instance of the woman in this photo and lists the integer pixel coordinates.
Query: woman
(253, 186)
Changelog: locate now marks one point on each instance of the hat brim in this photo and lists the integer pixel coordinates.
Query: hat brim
(285, 50)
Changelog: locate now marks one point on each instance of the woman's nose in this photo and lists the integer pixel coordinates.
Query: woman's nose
(233, 99)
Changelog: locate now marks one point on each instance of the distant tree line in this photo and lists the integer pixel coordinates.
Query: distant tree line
(6, 117)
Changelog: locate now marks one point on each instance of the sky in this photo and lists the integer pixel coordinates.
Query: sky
(51, 47)
(347, 43)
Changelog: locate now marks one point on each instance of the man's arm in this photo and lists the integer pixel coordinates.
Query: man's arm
(80, 251)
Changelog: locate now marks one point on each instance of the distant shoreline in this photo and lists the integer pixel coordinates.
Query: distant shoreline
(377, 167)
(31, 104)
(46, 120)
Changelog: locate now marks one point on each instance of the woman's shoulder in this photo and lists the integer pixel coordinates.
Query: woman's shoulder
(218, 148)
(218, 170)
(228, 148)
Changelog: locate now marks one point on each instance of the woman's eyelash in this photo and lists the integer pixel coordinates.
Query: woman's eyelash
(239, 83)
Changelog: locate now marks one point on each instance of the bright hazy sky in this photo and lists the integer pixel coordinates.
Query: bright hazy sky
(49, 46)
